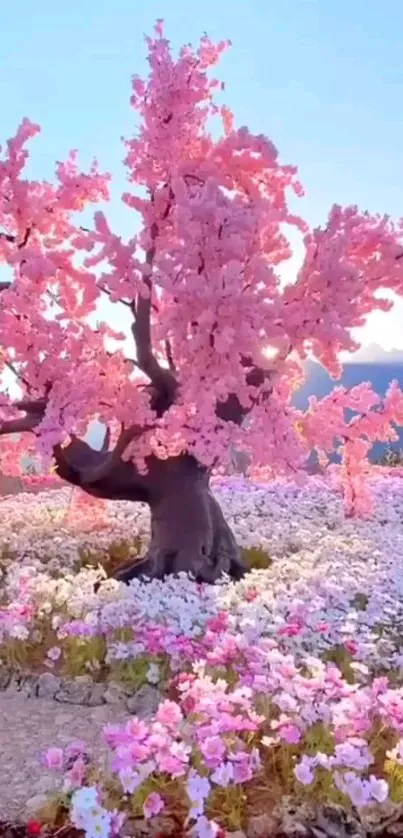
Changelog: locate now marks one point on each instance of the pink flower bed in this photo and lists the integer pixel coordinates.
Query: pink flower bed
(286, 684)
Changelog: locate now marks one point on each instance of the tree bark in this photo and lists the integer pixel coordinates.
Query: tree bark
(188, 529)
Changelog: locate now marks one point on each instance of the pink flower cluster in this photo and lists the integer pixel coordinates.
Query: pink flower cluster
(212, 738)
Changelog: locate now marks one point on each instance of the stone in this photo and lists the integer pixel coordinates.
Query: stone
(64, 718)
(96, 696)
(45, 785)
(5, 678)
(16, 684)
(75, 691)
(28, 686)
(387, 817)
(115, 694)
(47, 686)
(261, 826)
(333, 821)
(145, 702)
(100, 714)
(35, 803)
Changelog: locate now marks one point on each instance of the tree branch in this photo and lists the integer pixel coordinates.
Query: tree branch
(142, 324)
(170, 357)
(162, 379)
(106, 461)
(12, 239)
(34, 411)
(231, 410)
(98, 473)
(123, 482)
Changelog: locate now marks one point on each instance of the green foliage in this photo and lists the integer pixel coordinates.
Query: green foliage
(318, 738)
(83, 655)
(117, 554)
(340, 656)
(256, 559)
(394, 775)
(360, 602)
(392, 458)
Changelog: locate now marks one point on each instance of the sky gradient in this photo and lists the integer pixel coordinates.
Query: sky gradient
(324, 80)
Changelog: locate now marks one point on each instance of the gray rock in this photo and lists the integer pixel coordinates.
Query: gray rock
(28, 685)
(46, 785)
(62, 719)
(260, 826)
(115, 694)
(5, 678)
(96, 697)
(333, 821)
(75, 691)
(48, 684)
(35, 803)
(15, 684)
(144, 703)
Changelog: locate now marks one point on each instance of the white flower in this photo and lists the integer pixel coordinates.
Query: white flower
(153, 673)
(85, 798)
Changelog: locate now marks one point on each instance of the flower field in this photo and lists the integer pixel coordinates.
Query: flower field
(284, 689)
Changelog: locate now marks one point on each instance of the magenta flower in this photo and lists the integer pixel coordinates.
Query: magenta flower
(213, 750)
(242, 770)
(77, 773)
(170, 765)
(76, 748)
(169, 714)
(54, 758)
(153, 805)
(290, 733)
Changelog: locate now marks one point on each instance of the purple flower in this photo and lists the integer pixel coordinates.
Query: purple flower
(303, 771)
(358, 790)
(379, 789)
(197, 787)
(206, 828)
(223, 775)
(54, 653)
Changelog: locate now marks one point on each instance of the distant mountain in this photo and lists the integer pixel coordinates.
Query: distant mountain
(374, 354)
(379, 373)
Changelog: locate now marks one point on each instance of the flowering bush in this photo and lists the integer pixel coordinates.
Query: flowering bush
(287, 683)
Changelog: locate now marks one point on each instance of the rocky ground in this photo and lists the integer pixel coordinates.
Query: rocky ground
(29, 726)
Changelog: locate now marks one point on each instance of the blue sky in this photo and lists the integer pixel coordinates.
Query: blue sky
(323, 79)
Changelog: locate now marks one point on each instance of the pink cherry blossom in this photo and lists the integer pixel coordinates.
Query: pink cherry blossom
(213, 211)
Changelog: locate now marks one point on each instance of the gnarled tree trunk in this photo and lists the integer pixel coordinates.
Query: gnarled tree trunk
(188, 529)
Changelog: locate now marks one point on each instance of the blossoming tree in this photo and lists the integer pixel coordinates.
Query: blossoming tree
(200, 279)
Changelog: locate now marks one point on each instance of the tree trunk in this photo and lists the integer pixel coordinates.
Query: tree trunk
(188, 529)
